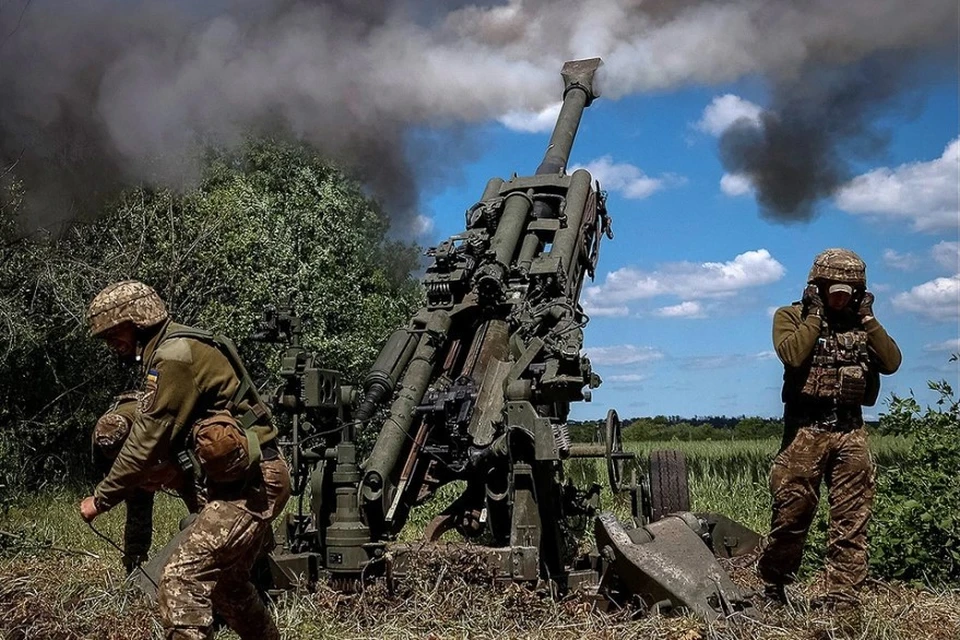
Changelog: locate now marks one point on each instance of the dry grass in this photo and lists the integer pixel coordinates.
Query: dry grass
(51, 596)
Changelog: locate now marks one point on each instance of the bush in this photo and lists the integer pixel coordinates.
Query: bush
(916, 530)
(273, 223)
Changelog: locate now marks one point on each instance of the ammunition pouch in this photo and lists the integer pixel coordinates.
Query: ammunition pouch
(851, 384)
(224, 451)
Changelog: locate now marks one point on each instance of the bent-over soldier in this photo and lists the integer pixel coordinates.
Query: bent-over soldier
(198, 409)
(833, 351)
(109, 434)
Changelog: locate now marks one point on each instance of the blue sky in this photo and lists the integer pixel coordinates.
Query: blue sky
(682, 305)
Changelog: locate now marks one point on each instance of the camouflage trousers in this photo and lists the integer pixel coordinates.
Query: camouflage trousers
(210, 569)
(842, 460)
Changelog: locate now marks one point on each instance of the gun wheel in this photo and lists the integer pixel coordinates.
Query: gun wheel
(669, 488)
(613, 440)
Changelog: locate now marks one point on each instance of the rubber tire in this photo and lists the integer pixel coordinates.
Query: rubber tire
(669, 489)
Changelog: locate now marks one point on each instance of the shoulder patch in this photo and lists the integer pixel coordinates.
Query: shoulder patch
(176, 349)
(149, 394)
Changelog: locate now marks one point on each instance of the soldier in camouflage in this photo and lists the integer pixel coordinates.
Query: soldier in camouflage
(833, 351)
(198, 409)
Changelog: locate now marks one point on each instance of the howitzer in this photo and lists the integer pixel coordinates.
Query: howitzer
(478, 386)
(476, 390)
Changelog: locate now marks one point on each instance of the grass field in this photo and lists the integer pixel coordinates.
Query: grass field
(58, 580)
(729, 476)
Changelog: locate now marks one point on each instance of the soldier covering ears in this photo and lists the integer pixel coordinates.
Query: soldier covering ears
(833, 351)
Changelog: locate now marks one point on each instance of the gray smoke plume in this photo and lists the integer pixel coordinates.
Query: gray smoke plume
(102, 93)
(818, 120)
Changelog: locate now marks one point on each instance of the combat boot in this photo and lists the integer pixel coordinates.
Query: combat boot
(776, 593)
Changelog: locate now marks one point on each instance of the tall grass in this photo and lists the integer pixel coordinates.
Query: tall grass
(726, 476)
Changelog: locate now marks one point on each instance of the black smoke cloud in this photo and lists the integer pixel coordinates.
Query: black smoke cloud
(101, 94)
(98, 94)
(818, 122)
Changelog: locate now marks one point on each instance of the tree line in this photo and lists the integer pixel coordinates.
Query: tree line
(697, 428)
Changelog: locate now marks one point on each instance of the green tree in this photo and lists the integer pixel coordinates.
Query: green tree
(273, 223)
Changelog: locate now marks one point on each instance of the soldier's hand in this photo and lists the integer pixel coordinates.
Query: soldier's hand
(866, 306)
(812, 300)
(88, 509)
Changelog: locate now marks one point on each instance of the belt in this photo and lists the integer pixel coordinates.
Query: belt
(830, 418)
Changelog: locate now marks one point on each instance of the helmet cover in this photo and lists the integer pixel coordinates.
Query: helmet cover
(841, 265)
(126, 301)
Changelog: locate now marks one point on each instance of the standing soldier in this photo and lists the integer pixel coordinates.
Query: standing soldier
(198, 409)
(833, 351)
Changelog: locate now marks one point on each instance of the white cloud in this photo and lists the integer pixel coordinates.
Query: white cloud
(422, 225)
(687, 279)
(724, 110)
(626, 179)
(947, 255)
(625, 380)
(902, 261)
(952, 346)
(938, 299)
(924, 193)
(622, 354)
(532, 121)
(735, 184)
(688, 309)
(600, 311)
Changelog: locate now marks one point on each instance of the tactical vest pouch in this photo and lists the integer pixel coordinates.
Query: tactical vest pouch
(852, 385)
(224, 450)
(821, 382)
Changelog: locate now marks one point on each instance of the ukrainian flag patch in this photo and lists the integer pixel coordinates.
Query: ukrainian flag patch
(149, 391)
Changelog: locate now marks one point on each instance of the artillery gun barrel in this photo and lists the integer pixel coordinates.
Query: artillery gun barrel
(408, 363)
(578, 92)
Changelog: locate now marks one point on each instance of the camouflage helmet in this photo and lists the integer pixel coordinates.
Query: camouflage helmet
(126, 301)
(841, 265)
